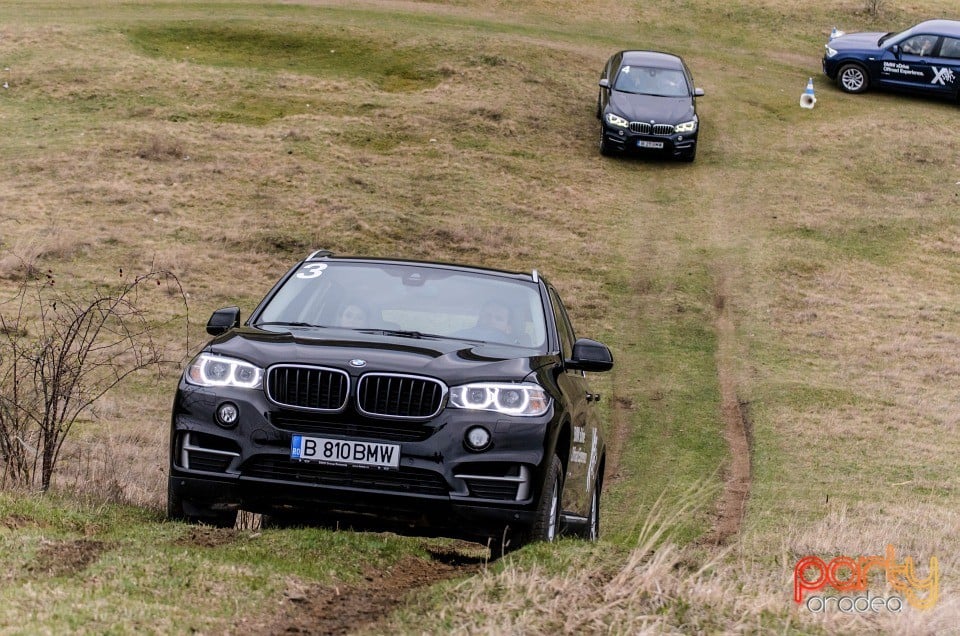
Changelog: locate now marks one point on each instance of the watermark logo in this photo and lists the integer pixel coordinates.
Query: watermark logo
(846, 574)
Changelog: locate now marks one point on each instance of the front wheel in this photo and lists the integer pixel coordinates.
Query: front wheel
(180, 509)
(592, 531)
(852, 78)
(546, 527)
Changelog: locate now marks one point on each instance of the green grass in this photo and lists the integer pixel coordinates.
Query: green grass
(158, 576)
(390, 67)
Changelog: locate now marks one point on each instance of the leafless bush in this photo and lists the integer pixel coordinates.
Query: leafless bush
(874, 7)
(160, 149)
(58, 356)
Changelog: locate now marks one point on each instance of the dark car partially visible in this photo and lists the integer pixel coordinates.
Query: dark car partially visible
(647, 104)
(449, 397)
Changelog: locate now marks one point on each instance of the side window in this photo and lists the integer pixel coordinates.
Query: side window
(564, 330)
(950, 48)
(612, 67)
(919, 45)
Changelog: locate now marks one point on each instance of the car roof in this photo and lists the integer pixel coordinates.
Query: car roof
(326, 255)
(939, 27)
(651, 58)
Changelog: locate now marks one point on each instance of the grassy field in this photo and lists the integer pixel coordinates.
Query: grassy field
(806, 267)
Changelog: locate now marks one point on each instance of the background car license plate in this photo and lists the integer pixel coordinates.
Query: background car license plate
(650, 144)
(344, 451)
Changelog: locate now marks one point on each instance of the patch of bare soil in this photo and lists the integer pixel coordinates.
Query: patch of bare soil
(618, 435)
(15, 522)
(58, 558)
(208, 537)
(342, 609)
(737, 476)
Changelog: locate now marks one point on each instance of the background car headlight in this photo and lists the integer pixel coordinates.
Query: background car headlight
(617, 120)
(526, 399)
(210, 370)
(830, 52)
(686, 127)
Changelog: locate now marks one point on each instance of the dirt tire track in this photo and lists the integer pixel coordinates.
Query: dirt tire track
(736, 428)
(344, 609)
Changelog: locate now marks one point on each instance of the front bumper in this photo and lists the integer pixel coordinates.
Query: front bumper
(439, 483)
(627, 141)
(830, 67)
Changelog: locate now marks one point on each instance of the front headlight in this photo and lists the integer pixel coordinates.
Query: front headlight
(617, 120)
(210, 370)
(527, 399)
(830, 52)
(686, 127)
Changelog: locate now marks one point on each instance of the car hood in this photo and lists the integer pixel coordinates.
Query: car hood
(449, 360)
(652, 108)
(856, 41)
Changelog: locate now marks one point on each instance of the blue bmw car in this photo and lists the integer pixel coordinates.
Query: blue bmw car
(924, 59)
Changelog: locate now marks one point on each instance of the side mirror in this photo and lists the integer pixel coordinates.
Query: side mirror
(222, 320)
(698, 92)
(895, 49)
(590, 355)
(604, 83)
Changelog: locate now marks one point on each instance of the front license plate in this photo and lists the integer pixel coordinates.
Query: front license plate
(344, 451)
(649, 144)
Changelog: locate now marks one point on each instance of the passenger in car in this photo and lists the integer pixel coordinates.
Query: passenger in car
(353, 315)
(495, 315)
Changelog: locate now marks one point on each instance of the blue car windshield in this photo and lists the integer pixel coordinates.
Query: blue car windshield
(645, 80)
(411, 300)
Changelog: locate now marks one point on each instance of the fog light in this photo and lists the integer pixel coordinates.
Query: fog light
(477, 438)
(227, 414)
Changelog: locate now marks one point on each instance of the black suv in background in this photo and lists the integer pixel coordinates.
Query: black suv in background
(647, 103)
(448, 397)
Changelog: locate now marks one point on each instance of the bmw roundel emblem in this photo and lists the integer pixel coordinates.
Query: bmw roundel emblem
(357, 362)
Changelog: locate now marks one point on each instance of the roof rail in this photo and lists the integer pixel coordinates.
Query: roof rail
(536, 276)
(319, 254)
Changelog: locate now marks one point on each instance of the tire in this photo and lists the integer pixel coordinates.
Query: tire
(689, 156)
(599, 110)
(592, 531)
(179, 509)
(546, 527)
(852, 78)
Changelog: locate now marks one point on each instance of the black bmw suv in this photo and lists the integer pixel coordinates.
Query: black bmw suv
(647, 103)
(448, 397)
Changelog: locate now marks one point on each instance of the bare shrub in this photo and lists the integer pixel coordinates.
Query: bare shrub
(61, 354)
(874, 7)
(159, 149)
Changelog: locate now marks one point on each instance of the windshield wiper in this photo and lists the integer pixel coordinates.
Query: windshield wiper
(289, 324)
(403, 333)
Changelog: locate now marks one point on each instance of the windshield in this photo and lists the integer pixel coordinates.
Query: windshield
(413, 300)
(645, 80)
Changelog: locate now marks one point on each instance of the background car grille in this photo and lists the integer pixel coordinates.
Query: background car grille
(644, 128)
(391, 395)
(308, 387)
(406, 480)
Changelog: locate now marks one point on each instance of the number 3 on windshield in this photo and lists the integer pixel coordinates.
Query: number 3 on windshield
(311, 270)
